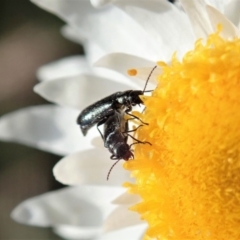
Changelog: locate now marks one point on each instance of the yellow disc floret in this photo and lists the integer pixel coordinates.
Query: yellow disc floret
(189, 179)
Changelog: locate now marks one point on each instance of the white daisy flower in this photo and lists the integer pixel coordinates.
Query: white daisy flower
(75, 213)
(118, 36)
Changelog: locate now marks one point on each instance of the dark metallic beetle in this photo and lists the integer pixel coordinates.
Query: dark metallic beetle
(115, 136)
(98, 112)
(110, 111)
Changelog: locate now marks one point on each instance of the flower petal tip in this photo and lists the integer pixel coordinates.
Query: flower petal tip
(59, 174)
(21, 215)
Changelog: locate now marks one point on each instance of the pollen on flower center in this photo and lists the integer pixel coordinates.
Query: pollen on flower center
(189, 179)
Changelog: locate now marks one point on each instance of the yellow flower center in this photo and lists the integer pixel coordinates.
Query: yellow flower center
(189, 179)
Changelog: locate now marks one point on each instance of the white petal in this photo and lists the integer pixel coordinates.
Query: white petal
(78, 64)
(122, 62)
(218, 4)
(121, 218)
(85, 206)
(96, 27)
(164, 23)
(65, 67)
(99, 3)
(46, 127)
(115, 31)
(73, 34)
(67, 9)
(80, 16)
(232, 12)
(127, 35)
(229, 30)
(90, 167)
(148, 73)
(130, 233)
(77, 233)
(76, 14)
(127, 199)
(198, 16)
(50, 6)
(79, 91)
(92, 49)
(97, 142)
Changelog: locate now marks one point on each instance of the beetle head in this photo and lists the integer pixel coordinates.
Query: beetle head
(134, 98)
(122, 151)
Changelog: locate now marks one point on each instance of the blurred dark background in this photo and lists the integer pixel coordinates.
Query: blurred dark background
(29, 38)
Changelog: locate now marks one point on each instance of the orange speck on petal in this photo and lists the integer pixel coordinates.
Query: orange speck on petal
(132, 72)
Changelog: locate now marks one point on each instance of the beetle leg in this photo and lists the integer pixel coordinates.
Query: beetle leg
(99, 124)
(137, 141)
(126, 128)
(128, 131)
(133, 129)
(134, 117)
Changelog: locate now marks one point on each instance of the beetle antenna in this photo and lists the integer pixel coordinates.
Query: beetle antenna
(149, 78)
(112, 168)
